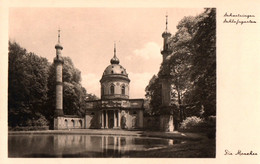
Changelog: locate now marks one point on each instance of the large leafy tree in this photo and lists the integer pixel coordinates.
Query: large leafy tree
(27, 86)
(153, 95)
(203, 70)
(193, 62)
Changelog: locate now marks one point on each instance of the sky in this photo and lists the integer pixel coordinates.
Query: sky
(88, 36)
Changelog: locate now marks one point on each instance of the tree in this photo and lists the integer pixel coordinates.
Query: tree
(91, 96)
(153, 95)
(194, 58)
(203, 70)
(27, 86)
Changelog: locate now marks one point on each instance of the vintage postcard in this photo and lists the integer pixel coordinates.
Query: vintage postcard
(130, 81)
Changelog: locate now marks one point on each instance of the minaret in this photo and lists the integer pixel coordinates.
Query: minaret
(58, 61)
(166, 86)
(166, 117)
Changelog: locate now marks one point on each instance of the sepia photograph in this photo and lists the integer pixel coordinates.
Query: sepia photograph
(97, 82)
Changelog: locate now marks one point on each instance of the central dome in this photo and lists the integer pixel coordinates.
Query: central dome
(115, 69)
(115, 81)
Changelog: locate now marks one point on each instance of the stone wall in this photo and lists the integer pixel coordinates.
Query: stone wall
(68, 123)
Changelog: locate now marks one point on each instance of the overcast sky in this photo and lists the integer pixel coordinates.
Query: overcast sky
(88, 35)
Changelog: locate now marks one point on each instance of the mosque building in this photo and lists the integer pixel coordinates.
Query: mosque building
(115, 110)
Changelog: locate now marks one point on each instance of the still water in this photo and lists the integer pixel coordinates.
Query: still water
(82, 145)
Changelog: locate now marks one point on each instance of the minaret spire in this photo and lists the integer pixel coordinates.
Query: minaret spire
(166, 21)
(59, 35)
(114, 60)
(114, 49)
(58, 45)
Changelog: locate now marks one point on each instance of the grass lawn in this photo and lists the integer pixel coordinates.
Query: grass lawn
(205, 148)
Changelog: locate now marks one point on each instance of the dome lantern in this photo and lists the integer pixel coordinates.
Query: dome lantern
(114, 60)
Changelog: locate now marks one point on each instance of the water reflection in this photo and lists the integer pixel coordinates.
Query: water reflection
(81, 145)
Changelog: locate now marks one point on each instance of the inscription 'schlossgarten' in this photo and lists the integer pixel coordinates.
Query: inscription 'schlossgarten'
(238, 18)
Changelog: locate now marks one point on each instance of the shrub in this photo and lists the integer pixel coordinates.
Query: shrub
(191, 122)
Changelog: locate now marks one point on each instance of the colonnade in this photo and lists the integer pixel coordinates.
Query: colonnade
(116, 117)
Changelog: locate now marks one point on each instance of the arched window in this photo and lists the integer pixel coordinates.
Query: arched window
(80, 123)
(112, 89)
(123, 90)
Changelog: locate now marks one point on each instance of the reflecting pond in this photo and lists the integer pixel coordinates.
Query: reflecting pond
(74, 145)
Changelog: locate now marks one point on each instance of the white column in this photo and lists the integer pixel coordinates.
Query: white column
(114, 119)
(102, 119)
(119, 119)
(106, 119)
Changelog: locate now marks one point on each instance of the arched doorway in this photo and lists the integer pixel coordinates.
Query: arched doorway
(66, 123)
(73, 123)
(80, 123)
(111, 123)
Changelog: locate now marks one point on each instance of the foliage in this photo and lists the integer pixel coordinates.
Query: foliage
(203, 72)
(153, 95)
(91, 97)
(191, 122)
(27, 85)
(196, 124)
